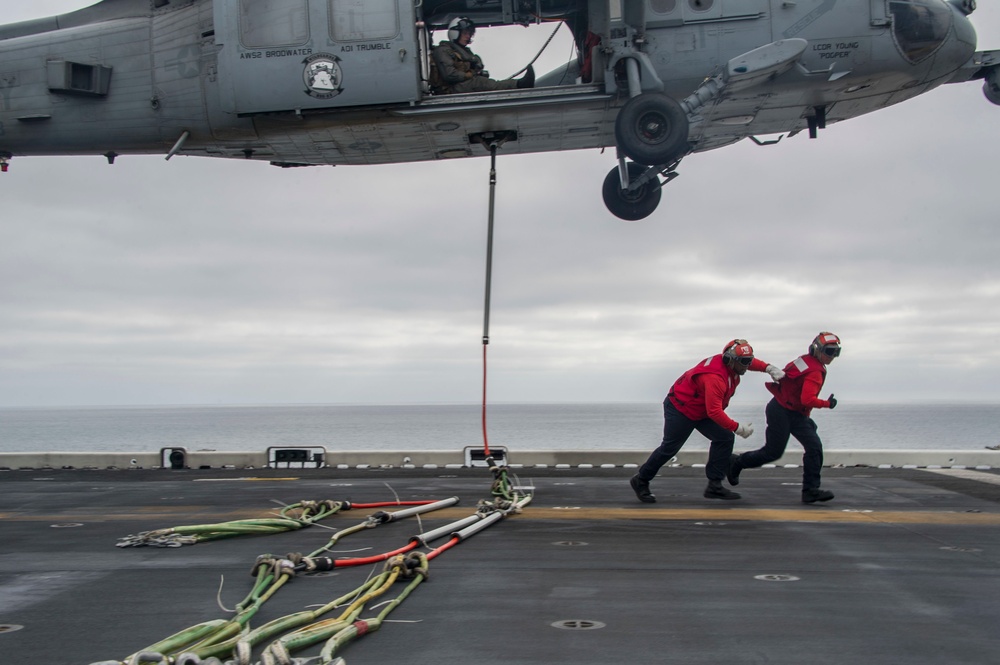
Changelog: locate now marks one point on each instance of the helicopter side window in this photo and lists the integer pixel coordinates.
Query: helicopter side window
(356, 20)
(267, 23)
(920, 26)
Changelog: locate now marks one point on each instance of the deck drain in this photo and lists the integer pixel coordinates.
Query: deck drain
(67, 525)
(962, 549)
(571, 543)
(578, 624)
(9, 628)
(776, 578)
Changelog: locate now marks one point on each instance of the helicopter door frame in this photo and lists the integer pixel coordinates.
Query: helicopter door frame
(301, 55)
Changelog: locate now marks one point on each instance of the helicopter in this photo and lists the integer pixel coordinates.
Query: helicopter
(348, 82)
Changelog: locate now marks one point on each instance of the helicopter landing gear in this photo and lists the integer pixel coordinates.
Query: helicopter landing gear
(652, 128)
(642, 196)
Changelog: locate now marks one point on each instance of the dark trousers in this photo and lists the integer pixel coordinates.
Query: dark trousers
(676, 429)
(781, 423)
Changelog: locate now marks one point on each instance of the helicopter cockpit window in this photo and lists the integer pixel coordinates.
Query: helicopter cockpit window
(357, 20)
(920, 26)
(267, 23)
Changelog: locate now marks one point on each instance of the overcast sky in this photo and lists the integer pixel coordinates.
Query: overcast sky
(201, 281)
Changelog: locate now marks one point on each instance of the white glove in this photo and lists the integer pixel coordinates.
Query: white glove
(775, 373)
(745, 430)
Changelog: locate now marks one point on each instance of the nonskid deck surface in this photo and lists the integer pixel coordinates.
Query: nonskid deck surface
(901, 567)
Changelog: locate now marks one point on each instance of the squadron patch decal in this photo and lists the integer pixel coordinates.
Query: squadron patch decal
(323, 76)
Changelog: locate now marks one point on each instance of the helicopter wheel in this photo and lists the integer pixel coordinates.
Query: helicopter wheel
(631, 205)
(652, 129)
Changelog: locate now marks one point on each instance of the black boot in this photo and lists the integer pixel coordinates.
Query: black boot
(715, 490)
(815, 494)
(641, 488)
(733, 475)
(528, 80)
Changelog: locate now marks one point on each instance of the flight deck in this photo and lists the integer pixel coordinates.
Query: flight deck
(901, 567)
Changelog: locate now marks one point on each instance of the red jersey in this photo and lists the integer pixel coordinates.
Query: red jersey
(799, 390)
(704, 390)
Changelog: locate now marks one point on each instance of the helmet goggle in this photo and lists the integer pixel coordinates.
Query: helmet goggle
(826, 343)
(745, 360)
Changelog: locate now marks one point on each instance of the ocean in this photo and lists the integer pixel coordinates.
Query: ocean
(453, 427)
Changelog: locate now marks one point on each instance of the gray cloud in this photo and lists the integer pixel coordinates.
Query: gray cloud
(201, 281)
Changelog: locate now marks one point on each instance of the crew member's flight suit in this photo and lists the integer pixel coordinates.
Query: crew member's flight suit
(458, 69)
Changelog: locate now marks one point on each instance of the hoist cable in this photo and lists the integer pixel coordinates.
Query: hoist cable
(489, 284)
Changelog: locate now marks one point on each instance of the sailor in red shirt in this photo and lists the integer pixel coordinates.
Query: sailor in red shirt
(788, 414)
(697, 401)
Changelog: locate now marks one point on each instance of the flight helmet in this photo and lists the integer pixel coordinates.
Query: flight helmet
(458, 25)
(825, 344)
(737, 354)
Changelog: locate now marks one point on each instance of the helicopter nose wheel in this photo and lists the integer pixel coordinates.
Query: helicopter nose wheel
(631, 204)
(652, 129)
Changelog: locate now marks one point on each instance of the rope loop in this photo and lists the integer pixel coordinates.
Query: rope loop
(262, 560)
(284, 567)
(398, 561)
(417, 563)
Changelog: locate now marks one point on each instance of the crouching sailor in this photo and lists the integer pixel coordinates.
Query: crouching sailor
(697, 401)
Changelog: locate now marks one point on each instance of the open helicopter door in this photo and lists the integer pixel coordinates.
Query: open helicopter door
(297, 55)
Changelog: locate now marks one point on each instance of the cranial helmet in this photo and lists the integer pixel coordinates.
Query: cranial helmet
(737, 350)
(827, 344)
(458, 25)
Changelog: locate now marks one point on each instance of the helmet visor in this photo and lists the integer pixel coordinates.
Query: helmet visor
(745, 360)
(831, 350)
